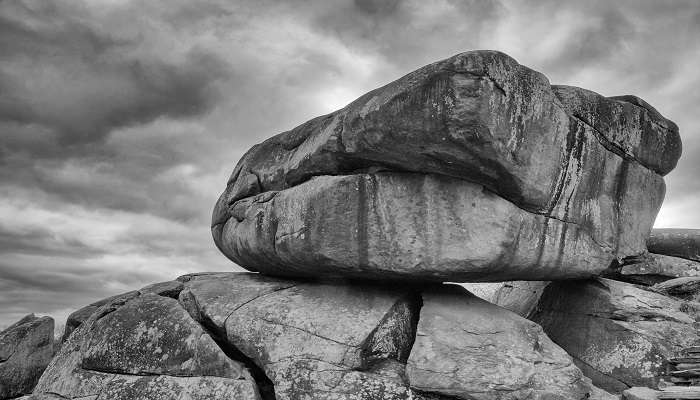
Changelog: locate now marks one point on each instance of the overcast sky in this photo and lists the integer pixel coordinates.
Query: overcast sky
(120, 121)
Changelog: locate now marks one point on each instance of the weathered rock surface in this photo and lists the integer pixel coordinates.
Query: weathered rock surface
(683, 243)
(313, 341)
(686, 288)
(633, 128)
(619, 334)
(651, 268)
(400, 232)
(473, 140)
(144, 346)
(169, 289)
(471, 349)
(640, 393)
(520, 297)
(248, 336)
(26, 348)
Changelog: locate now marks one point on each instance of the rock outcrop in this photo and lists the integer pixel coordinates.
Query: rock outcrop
(248, 336)
(144, 346)
(473, 168)
(651, 268)
(619, 334)
(683, 243)
(26, 348)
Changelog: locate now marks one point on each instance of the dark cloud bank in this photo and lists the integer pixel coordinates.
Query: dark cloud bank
(120, 120)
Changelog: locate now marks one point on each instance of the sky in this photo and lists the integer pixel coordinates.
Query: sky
(121, 120)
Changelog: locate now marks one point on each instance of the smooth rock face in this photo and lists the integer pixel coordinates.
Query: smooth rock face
(683, 243)
(520, 297)
(26, 348)
(640, 393)
(411, 226)
(493, 132)
(686, 288)
(465, 345)
(144, 346)
(619, 334)
(651, 268)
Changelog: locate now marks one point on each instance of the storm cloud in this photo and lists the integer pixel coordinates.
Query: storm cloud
(120, 120)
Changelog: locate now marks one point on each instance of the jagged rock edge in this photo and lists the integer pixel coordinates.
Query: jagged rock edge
(218, 335)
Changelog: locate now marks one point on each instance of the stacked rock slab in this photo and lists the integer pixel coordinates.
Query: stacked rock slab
(26, 348)
(619, 334)
(473, 168)
(248, 336)
(146, 346)
(683, 243)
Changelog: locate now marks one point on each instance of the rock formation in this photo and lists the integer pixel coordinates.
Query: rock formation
(619, 334)
(474, 170)
(254, 337)
(26, 348)
(683, 243)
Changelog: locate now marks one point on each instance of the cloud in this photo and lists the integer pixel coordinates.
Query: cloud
(81, 83)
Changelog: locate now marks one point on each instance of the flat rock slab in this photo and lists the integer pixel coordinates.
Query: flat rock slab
(546, 167)
(26, 348)
(683, 243)
(619, 334)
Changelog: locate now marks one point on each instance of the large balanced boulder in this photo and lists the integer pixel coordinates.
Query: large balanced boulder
(619, 334)
(248, 336)
(26, 348)
(683, 243)
(473, 168)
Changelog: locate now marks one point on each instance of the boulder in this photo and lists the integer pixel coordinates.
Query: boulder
(458, 149)
(250, 336)
(471, 349)
(651, 268)
(520, 297)
(632, 128)
(144, 346)
(75, 319)
(686, 288)
(683, 243)
(26, 348)
(619, 334)
(348, 341)
(313, 341)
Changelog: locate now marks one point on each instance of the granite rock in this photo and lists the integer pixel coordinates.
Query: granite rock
(619, 334)
(26, 348)
(326, 198)
(683, 243)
